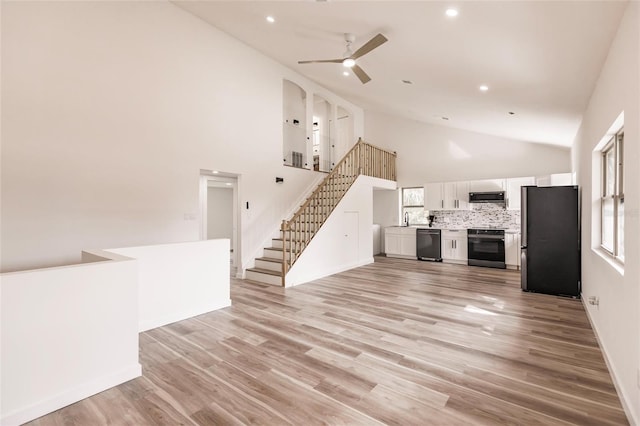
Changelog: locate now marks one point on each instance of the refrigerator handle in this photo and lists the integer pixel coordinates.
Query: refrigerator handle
(523, 269)
(523, 216)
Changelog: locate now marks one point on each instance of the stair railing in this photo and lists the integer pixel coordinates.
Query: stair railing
(362, 159)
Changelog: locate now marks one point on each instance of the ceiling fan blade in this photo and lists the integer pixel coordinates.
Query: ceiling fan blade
(333, 61)
(369, 46)
(359, 72)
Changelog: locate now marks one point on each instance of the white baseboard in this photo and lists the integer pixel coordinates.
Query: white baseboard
(401, 256)
(70, 396)
(624, 400)
(179, 316)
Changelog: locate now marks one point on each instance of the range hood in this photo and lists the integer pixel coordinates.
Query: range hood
(496, 197)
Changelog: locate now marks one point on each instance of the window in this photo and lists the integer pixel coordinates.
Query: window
(413, 204)
(612, 197)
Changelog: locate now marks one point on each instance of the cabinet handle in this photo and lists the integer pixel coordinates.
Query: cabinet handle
(442, 203)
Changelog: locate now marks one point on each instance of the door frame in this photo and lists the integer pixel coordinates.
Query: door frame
(222, 180)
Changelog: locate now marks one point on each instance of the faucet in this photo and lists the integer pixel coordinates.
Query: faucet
(406, 218)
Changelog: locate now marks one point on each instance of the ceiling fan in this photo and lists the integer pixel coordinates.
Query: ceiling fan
(349, 57)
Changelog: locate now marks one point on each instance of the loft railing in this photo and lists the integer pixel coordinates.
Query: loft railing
(362, 159)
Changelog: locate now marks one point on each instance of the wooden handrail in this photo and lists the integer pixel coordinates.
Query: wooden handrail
(362, 159)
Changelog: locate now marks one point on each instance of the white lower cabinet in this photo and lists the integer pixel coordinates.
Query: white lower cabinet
(400, 241)
(454, 245)
(512, 250)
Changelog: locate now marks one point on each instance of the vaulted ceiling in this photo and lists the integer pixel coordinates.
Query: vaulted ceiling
(539, 59)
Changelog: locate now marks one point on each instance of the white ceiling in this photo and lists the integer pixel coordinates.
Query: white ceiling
(540, 59)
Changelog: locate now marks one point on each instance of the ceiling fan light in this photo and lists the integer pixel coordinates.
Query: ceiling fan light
(348, 62)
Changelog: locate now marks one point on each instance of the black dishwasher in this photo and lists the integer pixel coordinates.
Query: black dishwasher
(428, 244)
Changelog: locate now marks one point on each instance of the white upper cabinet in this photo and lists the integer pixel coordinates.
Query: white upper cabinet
(456, 195)
(487, 185)
(557, 179)
(513, 190)
(447, 196)
(433, 196)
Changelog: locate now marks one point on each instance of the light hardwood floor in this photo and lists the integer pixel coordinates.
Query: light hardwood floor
(397, 342)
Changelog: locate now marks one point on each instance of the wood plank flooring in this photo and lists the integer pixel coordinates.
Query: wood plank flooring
(395, 342)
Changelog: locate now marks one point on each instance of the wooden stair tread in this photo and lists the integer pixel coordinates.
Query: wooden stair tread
(269, 259)
(266, 271)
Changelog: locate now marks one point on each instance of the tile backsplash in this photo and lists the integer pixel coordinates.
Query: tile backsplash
(480, 215)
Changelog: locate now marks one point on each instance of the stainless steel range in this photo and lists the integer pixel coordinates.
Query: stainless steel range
(486, 247)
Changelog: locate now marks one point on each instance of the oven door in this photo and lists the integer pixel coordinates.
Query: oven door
(486, 250)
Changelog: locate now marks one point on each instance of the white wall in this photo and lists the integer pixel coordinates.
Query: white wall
(431, 153)
(386, 207)
(616, 319)
(67, 333)
(179, 281)
(110, 110)
(220, 213)
(352, 221)
(344, 133)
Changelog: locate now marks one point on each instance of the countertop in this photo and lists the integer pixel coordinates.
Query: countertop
(452, 228)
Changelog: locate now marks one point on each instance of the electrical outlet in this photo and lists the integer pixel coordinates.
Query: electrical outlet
(594, 300)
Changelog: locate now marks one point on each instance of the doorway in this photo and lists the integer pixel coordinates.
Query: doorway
(219, 211)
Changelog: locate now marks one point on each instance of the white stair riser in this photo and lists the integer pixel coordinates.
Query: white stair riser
(272, 266)
(263, 278)
(274, 254)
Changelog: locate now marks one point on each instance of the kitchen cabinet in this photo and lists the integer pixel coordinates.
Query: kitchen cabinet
(513, 191)
(456, 195)
(454, 245)
(400, 241)
(556, 179)
(487, 185)
(446, 196)
(512, 250)
(433, 196)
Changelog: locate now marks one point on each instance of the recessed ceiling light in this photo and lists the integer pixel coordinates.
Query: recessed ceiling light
(271, 19)
(228, 183)
(483, 88)
(215, 172)
(451, 12)
(345, 73)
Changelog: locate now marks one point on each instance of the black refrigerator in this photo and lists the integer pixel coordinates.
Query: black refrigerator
(550, 240)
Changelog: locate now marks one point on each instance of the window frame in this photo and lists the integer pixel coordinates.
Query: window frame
(404, 206)
(615, 146)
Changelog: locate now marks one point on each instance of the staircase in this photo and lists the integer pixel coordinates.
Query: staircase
(297, 232)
